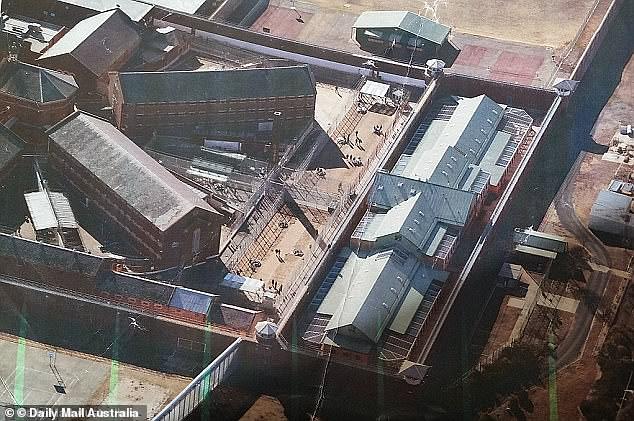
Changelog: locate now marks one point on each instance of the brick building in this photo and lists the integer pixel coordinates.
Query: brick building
(165, 219)
(37, 96)
(145, 101)
(94, 47)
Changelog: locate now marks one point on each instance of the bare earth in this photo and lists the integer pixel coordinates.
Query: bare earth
(541, 22)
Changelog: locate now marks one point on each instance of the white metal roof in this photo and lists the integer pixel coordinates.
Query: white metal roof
(376, 89)
(50, 210)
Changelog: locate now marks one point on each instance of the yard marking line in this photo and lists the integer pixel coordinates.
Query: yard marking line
(552, 378)
(18, 391)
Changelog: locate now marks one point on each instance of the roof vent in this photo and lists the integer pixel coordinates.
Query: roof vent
(393, 290)
(385, 305)
(445, 173)
(416, 222)
(495, 112)
(478, 141)
(483, 131)
(380, 187)
(453, 158)
(449, 165)
(489, 121)
(400, 184)
(412, 192)
(411, 230)
(421, 214)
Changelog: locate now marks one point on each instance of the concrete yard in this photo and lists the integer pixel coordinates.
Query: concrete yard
(30, 372)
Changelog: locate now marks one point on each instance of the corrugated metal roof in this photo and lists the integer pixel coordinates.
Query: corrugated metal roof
(414, 208)
(98, 41)
(464, 140)
(191, 300)
(126, 169)
(407, 21)
(134, 9)
(368, 291)
(213, 85)
(10, 146)
(41, 211)
(611, 214)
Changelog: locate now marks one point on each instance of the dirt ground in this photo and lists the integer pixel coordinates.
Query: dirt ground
(542, 22)
(266, 408)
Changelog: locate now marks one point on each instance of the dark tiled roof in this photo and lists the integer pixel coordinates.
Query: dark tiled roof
(126, 169)
(98, 41)
(10, 146)
(187, 86)
(35, 83)
(42, 254)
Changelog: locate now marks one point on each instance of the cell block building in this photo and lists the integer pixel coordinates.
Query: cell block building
(145, 101)
(165, 219)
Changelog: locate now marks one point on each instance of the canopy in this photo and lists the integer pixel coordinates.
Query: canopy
(375, 89)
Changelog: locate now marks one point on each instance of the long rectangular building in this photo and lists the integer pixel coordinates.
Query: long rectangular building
(164, 218)
(145, 101)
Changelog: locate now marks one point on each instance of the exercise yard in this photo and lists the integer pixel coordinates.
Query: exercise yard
(37, 374)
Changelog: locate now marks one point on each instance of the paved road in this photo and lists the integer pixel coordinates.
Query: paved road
(571, 346)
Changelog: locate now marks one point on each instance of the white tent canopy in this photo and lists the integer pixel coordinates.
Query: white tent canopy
(375, 89)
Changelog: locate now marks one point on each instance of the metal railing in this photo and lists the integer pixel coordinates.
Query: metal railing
(199, 388)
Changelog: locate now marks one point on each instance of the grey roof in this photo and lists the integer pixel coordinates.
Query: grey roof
(415, 209)
(407, 21)
(136, 10)
(191, 300)
(50, 210)
(134, 286)
(464, 140)
(611, 213)
(540, 240)
(10, 146)
(126, 169)
(35, 83)
(46, 255)
(98, 41)
(187, 86)
(366, 294)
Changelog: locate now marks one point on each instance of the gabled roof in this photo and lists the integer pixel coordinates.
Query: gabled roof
(136, 10)
(464, 140)
(10, 146)
(34, 83)
(187, 86)
(407, 21)
(368, 291)
(98, 41)
(126, 169)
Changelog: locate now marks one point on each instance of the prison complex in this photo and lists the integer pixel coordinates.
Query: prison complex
(144, 101)
(379, 292)
(166, 219)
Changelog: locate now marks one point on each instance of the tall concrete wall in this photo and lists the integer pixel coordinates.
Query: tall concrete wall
(88, 326)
